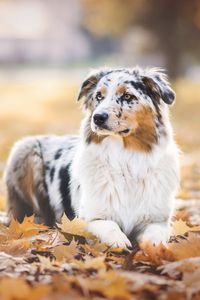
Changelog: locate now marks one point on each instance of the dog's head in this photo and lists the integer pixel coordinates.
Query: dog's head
(127, 102)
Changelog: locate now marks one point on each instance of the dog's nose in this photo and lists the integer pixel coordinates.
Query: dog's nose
(99, 119)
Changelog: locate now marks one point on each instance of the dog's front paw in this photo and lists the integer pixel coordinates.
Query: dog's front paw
(155, 233)
(116, 238)
(109, 233)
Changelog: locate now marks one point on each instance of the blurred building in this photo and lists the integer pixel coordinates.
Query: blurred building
(42, 31)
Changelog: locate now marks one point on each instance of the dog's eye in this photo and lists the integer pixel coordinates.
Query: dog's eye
(127, 97)
(99, 96)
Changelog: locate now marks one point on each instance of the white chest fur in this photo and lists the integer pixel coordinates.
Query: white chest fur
(127, 187)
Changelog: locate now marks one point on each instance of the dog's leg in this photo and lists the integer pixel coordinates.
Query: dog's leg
(109, 233)
(156, 233)
(16, 205)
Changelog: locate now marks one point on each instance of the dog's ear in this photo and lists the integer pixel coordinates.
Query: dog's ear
(90, 83)
(158, 86)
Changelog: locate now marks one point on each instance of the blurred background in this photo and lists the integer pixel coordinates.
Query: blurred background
(48, 46)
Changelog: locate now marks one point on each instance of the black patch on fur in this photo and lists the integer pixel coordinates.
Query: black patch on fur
(52, 172)
(168, 97)
(138, 85)
(58, 154)
(70, 147)
(119, 114)
(147, 91)
(41, 193)
(64, 176)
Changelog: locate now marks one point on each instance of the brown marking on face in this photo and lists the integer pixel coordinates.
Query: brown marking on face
(144, 136)
(103, 91)
(121, 90)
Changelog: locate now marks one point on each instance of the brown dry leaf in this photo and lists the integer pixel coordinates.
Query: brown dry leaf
(116, 285)
(39, 292)
(110, 284)
(18, 230)
(11, 288)
(97, 263)
(61, 285)
(176, 269)
(66, 253)
(180, 227)
(15, 247)
(186, 247)
(95, 249)
(156, 255)
(16, 239)
(181, 215)
(46, 264)
(74, 227)
(45, 241)
(148, 286)
(6, 234)
(192, 282)
(27, 228)
(18, 289)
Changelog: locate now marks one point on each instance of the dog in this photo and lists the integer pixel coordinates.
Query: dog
(120, 174)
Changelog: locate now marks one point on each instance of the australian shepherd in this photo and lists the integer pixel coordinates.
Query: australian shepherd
(120, 174)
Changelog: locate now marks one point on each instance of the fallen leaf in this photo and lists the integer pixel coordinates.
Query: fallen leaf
(64, 253)
(27, 228)
(177, 268)
(110, 284)
(15, 247)
(74, 227)
(16, 289)
(186, 246)
(156, 255)
(97, 263)
(180, 227)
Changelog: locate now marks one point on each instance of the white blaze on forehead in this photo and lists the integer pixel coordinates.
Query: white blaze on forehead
(113, 80)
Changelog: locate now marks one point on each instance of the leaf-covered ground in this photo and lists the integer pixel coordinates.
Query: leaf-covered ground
(69, 263)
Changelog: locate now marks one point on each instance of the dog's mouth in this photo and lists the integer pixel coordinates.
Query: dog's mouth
(124, 132)
(104, 129)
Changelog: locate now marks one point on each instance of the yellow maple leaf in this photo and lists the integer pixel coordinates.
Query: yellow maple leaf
(66, 253)
(97, 263)
(110, 284)
(25, 229)
(14, 288)
(18, 289)
(180, 227)
(75, 227)
(15, 247)
(187, 247)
